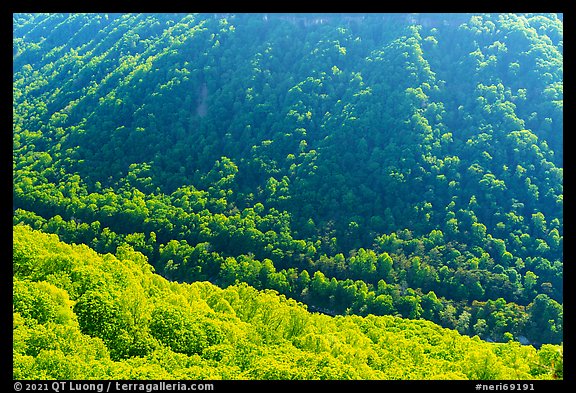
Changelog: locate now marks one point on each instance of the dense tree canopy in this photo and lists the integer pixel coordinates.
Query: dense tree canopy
(407, 165)
(83, 315)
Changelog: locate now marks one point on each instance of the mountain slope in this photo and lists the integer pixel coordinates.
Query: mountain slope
(82, 315)
(405, 165)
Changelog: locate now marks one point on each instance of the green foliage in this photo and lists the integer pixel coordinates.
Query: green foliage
(390, 164)
(200, 331)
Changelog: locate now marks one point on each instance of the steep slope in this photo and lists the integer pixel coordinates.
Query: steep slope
(404, 165)
(82, 315)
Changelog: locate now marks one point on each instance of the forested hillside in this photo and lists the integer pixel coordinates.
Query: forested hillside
(406, 165)
(83, 315)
